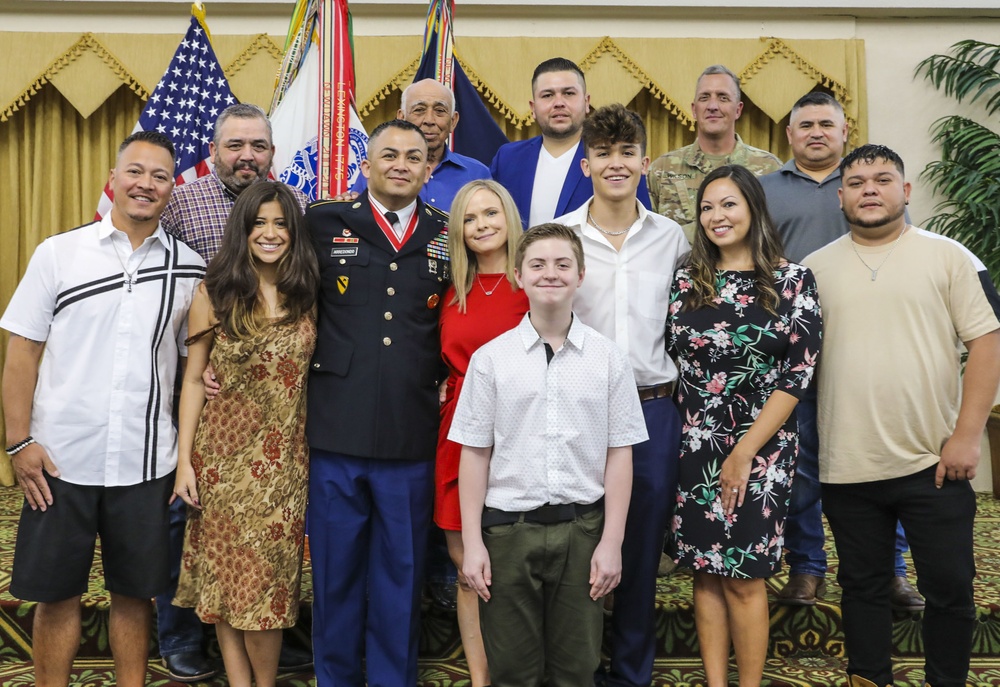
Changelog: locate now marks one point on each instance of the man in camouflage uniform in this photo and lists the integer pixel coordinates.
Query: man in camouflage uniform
(674, 178)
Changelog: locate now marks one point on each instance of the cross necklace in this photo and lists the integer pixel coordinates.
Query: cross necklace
(130, 277)
(874, 270)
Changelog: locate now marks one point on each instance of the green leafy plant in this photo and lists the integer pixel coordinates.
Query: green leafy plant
(968, 174)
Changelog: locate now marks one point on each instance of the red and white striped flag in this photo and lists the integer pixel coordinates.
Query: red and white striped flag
(318, 148)
(190, 96)
(336, 98)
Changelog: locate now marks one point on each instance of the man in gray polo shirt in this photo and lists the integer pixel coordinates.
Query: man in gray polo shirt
(802, 198)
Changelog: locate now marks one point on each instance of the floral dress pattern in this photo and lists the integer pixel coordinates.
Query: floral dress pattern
(731, 358)
(242, 560)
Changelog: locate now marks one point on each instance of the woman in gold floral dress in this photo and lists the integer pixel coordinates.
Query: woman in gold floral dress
(243, 461)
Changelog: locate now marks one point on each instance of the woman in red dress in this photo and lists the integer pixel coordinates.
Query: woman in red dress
(482, 303)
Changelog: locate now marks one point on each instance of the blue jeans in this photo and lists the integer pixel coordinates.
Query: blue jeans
(178, 629)
(863, 519)
(804, 525)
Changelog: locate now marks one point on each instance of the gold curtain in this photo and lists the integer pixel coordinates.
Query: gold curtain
(67, 100)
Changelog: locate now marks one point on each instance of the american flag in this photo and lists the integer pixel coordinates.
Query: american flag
(190, 96)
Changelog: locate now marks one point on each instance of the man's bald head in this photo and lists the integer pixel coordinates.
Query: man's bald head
(430, 105)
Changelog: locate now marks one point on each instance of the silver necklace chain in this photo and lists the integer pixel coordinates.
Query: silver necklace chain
(490, 292)
(874, 270)
(590, 218)
(130, 277)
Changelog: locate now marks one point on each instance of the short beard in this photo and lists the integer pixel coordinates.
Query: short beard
(854, 220)
(235, 183)
(560, 135)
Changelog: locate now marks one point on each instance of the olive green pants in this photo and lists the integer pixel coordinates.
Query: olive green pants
(540, 624)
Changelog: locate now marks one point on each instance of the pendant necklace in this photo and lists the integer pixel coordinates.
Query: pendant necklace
(874, 270)
(590, 218)
(490, 292)
(130, 277)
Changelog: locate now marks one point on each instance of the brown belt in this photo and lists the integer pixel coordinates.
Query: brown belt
(649, 393)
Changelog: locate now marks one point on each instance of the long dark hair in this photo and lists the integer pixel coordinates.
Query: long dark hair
(765, 244)
(232, 280)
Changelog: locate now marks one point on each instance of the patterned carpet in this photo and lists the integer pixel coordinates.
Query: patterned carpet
(806, 643)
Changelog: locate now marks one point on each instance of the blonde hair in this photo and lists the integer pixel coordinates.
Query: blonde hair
(464, 266)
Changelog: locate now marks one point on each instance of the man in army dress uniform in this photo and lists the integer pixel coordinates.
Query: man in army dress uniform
(373, 413)
(674, 178)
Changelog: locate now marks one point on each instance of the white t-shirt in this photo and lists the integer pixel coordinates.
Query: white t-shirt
(550, 175)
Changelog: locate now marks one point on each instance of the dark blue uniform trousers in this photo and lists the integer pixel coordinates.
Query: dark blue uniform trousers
(368, 524)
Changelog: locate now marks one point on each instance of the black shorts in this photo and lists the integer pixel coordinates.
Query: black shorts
(55, 548)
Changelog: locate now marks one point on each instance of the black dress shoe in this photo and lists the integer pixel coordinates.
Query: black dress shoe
(293, 659)
(189, 666)
(444, 595)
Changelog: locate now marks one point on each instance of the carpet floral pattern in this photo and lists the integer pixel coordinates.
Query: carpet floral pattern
(806, 642)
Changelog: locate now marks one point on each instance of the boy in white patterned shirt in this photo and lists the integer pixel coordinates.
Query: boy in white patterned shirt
(547, 419)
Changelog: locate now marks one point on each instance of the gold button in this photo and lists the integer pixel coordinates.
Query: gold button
(343, 262)
(387, 341)
(388, 316)
(391, 291)
(393, 266)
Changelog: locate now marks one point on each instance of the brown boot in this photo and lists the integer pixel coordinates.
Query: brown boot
(858, 681)
(801, 590)
(904, 597)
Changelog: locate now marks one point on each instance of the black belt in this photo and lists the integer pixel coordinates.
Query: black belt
(649, 393)
(543, 515)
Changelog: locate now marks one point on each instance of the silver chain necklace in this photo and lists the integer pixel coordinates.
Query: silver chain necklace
(130, 277)
(490, 292)
(874, 270)
(590, 218)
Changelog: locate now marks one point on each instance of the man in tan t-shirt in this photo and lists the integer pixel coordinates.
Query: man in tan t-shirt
(895, 440)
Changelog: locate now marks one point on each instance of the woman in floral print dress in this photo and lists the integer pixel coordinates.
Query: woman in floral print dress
(242, 459)
(745, 327)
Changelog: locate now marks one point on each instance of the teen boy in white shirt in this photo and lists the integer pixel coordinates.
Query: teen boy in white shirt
(632, 253)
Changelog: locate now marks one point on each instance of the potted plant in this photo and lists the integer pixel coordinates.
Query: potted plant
(968, 174)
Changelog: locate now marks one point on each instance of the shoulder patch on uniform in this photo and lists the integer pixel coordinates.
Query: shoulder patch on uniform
(431, 210)
(326, 201)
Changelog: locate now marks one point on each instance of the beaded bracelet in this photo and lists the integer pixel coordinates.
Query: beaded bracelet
(19, 446)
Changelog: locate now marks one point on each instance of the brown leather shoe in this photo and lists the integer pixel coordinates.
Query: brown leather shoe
(801, 590)
(904, 597)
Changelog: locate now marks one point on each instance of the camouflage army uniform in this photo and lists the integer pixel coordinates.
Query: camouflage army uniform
(674, 178)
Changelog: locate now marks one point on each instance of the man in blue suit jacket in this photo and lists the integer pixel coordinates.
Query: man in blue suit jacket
(543, 174)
